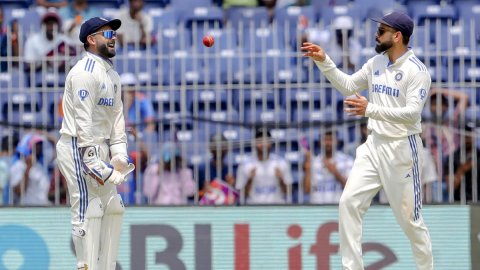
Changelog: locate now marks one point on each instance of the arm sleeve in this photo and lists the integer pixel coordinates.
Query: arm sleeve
(417, 93)
(83, 102)
(118, 137)
(346, 84)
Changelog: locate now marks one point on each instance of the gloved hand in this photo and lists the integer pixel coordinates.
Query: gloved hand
(93, 166)
(120, 160)
(122, 164)
(116, 178)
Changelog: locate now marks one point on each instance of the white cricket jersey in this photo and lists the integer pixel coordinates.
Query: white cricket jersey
(265, 187)
(92, 104)
(325, 188)
(397, 92)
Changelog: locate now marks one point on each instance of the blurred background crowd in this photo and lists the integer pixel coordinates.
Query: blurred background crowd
(247, 121)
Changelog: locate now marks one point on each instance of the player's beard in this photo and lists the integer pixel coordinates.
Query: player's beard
(383, 46)
(105, 51)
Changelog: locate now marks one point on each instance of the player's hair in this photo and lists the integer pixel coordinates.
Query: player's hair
(406, 39)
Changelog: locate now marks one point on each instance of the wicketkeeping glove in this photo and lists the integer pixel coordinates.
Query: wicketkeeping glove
(92, 166)
(122, 164)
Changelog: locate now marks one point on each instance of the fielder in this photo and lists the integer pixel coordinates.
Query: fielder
(93, 130)
(391, 158)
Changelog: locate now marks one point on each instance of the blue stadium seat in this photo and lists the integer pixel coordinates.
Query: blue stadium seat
(327, 15)
(276, 66)
(287, 21)
(228, 66)
(101, 4)
(259, 98)
(16, 3)
(181, 68)
(241, 18)
(261, 40)
(259, 115)
(368, 9)
(13, 80)
(420, 40)
(303, 99)
(163, 18)
(153, 4)
(202, 17)
(29, 21)
(172, 39)
(209, 101)
(468, 11)
(49, 79)
(165, 101)
(466, 69)
(322, 4)
(20, 106)
(434, 16)
(137, 62)
(184, 5)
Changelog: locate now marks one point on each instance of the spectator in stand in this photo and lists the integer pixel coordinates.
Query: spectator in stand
(441, 127)
(73, 15)
(48, 45)
(325, 175)
(216, 169)
(137, 26)
(168, 182)
(140, 124)
(2, 29)
(7, 150)
(138, 110)
(52, 3)
(265, 177)
(343, 48)
(29, 175)
(461, 174)
(10, 46)
(5, 163)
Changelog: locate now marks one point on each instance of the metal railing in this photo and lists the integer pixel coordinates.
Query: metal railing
(252, 77)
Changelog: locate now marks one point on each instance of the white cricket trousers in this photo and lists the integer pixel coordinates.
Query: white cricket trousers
(393, 164)
(81, 190)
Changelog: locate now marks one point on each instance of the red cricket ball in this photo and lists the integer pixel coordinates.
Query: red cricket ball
(208, 41)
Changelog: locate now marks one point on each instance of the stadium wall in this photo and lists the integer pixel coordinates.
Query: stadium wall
(293, 238)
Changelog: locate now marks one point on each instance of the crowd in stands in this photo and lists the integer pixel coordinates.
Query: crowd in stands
(247, 121)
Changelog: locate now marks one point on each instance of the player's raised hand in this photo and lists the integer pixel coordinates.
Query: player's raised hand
(356, 105)
(313, 51)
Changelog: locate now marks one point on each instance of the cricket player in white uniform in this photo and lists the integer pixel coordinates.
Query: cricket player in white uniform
(93, 130)
(391, 158)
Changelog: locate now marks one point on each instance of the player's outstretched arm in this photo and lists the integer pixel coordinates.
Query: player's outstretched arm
(345, 83)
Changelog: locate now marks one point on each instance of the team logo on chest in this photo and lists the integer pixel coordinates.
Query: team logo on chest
(398, 76)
